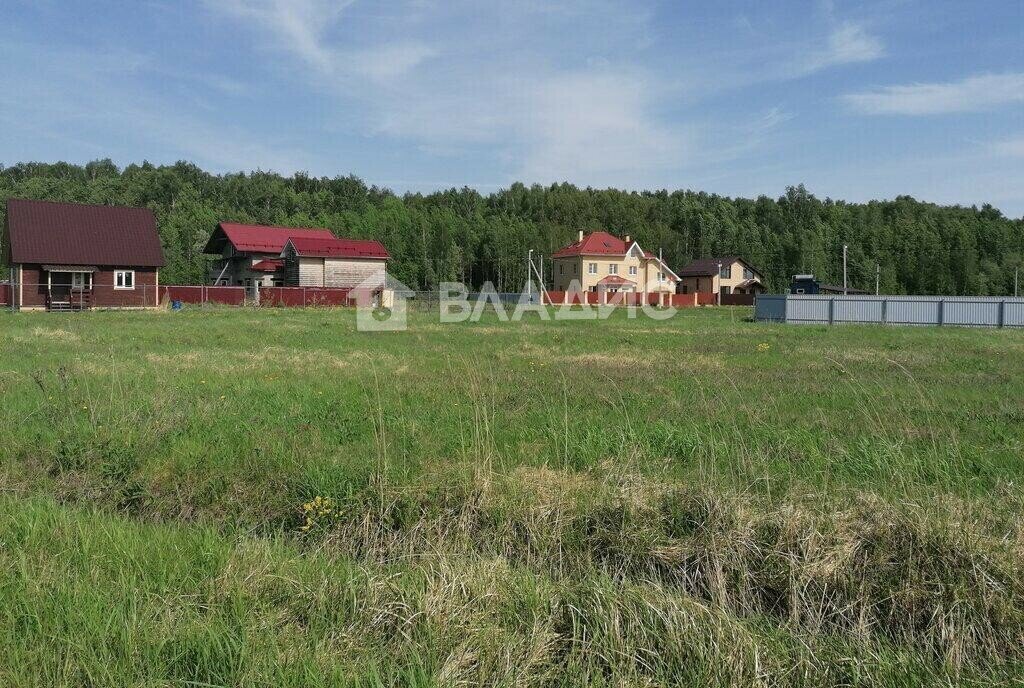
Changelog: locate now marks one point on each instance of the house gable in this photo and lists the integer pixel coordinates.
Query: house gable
(48, 232)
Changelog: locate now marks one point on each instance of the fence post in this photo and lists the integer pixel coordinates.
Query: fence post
(942, 311)
(885, 309)
(831, 309)
(1002, 312)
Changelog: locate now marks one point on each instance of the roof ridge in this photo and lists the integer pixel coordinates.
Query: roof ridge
(81, 205)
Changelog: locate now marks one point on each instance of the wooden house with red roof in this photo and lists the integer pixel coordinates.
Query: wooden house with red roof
(250, 255)
(69, 256)
(333, 262)
(602, 262)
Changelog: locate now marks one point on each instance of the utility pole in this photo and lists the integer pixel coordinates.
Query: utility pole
(878, 278)
(543, 290)
(844, 269)
(529, 271)
(661, 267)
(542, 284)
(718, 296)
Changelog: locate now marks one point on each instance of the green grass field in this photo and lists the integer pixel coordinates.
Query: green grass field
(271, 498)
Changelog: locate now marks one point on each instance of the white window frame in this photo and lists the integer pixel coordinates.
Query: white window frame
(119, 279)
(632, 269)
(592, 268)
(613, 268)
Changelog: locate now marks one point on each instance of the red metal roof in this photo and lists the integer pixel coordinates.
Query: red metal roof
(597, 244)
(258, 238)
(267, 265)
(76, 234)
(615, 279)
(338, 248)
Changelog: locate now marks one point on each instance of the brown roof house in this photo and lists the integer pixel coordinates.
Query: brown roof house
(725, 275)
(67, 256)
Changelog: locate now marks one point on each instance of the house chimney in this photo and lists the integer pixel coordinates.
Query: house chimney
(581, 236)
(627, 239)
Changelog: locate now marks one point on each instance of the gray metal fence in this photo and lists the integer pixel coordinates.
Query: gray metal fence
(969, 311)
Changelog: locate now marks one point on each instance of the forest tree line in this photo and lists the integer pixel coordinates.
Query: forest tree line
(463, 235)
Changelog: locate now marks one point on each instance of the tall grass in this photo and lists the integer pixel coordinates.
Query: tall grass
(702, 501)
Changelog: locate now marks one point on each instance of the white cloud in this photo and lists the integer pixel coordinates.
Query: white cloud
(848, 43)
(595, 127)
(386, 62)
(82, 97)
(592, 121)
(299, 25)
(973, 94)
(549, 91)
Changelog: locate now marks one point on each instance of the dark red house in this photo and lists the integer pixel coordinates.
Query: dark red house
(67, 256)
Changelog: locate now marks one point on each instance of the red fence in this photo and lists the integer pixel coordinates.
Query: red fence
(5, 295)
(706, 298)
(228, 296)
(304, 297)
(622, 298)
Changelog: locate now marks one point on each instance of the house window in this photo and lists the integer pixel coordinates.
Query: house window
(592, 268)
(748, 274)
(726, 290)
(613, 268)
(685, 289)
(661, 276)
(574, 268)
(799, 291)
(632, 269)
(725, 272)
(561, 268)
(124, 279)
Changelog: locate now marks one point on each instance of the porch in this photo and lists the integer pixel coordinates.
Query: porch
(69, 287)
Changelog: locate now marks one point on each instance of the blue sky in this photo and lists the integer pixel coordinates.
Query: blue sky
(857, 100)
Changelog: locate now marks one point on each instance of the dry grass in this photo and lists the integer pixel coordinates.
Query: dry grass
(623, 503)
